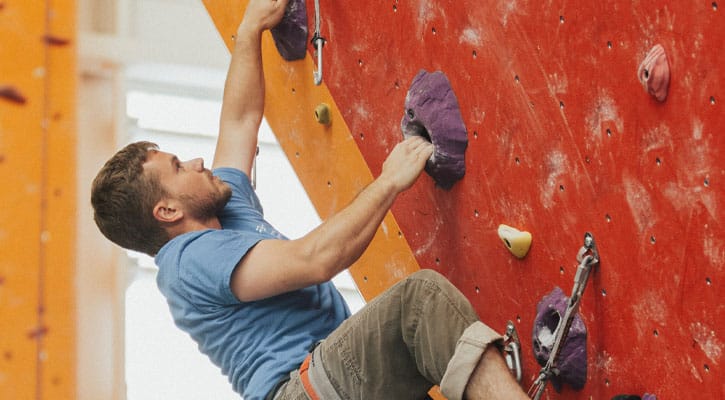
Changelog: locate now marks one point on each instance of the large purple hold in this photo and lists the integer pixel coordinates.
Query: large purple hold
(290, 35)
(431, 111)
(572, 361)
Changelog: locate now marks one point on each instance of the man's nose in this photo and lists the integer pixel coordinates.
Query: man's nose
(197, 164)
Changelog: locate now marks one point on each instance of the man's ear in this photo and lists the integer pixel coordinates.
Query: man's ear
(167, 211)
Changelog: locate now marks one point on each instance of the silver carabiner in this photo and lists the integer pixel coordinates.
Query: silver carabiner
(318, 41)
(512, 350)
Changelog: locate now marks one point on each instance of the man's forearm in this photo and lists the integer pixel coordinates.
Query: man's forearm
(244, 88)
(243, 102)
(342, 239)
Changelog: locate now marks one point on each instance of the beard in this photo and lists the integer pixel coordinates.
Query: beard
(208, 206)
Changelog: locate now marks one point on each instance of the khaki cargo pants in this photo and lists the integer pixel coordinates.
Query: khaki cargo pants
(419, 333)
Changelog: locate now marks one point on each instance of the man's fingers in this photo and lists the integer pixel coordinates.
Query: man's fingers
(422, 147)
(426, 148)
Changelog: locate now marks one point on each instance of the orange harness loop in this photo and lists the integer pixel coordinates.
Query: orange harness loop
(304, 377)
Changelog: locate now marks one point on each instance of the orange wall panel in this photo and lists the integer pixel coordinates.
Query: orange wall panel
(37, 217)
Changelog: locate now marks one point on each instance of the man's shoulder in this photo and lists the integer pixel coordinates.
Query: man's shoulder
(196, 241)
(231, 175)
(187, 256)
(173, 249)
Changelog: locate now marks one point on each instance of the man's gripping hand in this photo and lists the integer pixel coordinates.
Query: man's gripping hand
(263, 14)
(405, 162)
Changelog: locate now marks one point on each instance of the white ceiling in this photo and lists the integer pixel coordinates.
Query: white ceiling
(141, 33)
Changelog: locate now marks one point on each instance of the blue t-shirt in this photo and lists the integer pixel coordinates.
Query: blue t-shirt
(254, 343)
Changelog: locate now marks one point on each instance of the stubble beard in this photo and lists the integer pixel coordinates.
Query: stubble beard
(209, 206)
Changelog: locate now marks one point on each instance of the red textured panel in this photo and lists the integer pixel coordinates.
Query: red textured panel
(563, 139)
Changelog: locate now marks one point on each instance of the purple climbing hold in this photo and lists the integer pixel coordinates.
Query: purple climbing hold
(432, 111)
(646, 396)
(572, 360)
(290, 35)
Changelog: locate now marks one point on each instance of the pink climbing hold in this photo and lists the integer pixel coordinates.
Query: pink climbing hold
(654, 73)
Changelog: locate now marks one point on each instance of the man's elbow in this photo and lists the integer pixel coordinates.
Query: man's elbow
(320, 261)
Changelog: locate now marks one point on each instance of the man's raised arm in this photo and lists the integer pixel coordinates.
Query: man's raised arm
(243, 102)
(278, 266)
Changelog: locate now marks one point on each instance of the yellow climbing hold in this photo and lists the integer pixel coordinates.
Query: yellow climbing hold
(322, 114)
(516, 241)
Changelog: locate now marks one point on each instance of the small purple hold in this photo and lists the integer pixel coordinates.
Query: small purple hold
(572, 360)
(646, 396)
(432, 111)
(290, 35)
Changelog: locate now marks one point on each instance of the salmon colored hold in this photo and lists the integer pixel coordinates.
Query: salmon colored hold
(654, 73)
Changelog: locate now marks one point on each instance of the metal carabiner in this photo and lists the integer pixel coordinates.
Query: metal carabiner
(512, 350)
(319, 42)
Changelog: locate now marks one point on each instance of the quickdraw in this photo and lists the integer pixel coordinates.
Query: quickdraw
(588, 258)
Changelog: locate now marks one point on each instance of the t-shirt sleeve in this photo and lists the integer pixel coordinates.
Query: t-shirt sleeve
(207, 263)
(243, 196)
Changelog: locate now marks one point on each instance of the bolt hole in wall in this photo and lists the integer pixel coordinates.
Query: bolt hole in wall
(161, 360)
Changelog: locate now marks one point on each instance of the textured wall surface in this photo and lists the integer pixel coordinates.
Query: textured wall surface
(37, 216)
(562, 139)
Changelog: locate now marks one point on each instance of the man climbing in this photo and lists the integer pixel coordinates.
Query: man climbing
(262, 307)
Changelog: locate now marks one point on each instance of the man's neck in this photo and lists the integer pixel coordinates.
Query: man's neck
(192, 225)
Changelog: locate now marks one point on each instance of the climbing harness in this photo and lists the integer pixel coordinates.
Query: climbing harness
(318, 41)
(588, 258)
(512, 350)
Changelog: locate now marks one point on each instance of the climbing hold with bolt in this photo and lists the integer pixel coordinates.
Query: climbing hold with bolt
(516, 241)
(646, 396)
(572, 361)
(654, 73)
(290, 35)
(322, 114)
(432, 112)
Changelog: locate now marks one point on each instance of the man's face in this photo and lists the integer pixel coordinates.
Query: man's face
(201, 194)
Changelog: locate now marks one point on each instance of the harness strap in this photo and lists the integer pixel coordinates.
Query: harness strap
(305, 378)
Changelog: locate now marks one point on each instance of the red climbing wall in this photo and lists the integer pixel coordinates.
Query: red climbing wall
(563, 139)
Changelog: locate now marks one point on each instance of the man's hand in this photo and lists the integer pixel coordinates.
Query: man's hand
(405, 162)
(263, 14)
